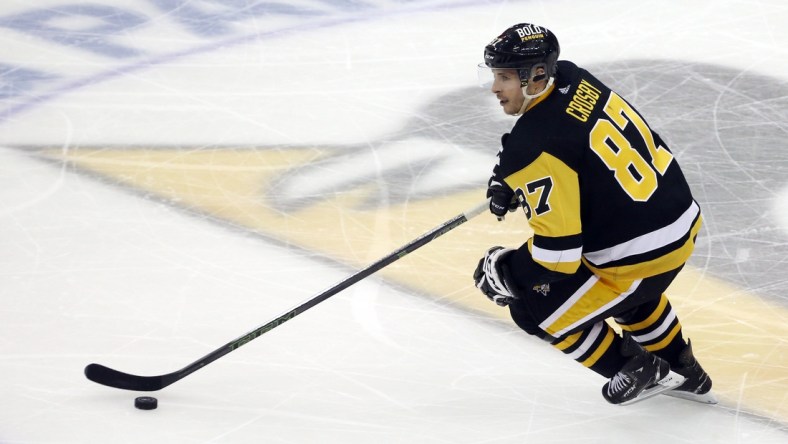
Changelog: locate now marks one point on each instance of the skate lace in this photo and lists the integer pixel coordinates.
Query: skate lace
(619, 382)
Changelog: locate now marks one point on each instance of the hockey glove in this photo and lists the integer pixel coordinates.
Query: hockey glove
(502, 199)
(491, 275)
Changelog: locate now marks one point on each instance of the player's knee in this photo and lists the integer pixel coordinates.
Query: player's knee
(523, 318)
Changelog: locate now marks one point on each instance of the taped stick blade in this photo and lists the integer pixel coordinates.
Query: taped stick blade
(112, 378)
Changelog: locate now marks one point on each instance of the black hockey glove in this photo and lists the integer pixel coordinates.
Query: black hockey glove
(502, 200)
(491, 275)
(502, 197)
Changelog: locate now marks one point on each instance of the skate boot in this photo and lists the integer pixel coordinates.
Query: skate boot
(697, 385)
(644, 375)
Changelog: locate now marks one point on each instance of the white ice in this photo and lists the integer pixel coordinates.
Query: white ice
(95, 272)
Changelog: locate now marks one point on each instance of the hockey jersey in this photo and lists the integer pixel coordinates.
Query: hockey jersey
(597, 184)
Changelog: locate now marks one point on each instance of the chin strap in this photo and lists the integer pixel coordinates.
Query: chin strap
(530, 98)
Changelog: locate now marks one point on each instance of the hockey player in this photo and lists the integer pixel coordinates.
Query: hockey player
(613, 217)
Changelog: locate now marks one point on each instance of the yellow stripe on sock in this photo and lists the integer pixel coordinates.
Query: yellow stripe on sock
(568, 341)
(601, 349)
(664, 343)
(649, 321)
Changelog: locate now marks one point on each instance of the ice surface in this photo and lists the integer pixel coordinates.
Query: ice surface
(187, 174)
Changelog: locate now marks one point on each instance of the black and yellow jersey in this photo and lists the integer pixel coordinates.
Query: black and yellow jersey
(598, 186)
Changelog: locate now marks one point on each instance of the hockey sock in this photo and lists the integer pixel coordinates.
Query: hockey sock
(597, 347)
(656, 327)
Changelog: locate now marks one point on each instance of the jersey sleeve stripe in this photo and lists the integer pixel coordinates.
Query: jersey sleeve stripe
(556, 256)
(647, 242)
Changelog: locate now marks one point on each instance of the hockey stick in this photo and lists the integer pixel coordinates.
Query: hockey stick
(114, 378)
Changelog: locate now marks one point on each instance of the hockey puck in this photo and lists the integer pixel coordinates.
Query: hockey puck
(146, 403)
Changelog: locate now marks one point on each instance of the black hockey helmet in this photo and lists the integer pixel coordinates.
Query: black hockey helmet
(523, 47)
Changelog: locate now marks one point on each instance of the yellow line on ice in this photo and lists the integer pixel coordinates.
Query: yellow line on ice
(739, 337)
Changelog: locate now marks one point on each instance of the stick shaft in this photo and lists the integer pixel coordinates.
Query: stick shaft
(114, 378)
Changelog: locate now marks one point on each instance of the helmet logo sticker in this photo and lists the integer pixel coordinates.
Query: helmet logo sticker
(530, 31)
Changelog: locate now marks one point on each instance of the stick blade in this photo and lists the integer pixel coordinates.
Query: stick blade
(114, 378)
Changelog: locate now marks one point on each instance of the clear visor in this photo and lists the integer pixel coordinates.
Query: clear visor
(486, 75)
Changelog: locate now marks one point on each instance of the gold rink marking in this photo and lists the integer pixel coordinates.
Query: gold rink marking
(739, 336)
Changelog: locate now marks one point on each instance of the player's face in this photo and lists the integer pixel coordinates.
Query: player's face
(506, 87)
(533, 87)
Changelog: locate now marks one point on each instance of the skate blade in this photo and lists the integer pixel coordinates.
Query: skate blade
(669, 382)
(706, 398)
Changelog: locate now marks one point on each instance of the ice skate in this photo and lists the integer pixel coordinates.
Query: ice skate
(697, 384)
(643, 376)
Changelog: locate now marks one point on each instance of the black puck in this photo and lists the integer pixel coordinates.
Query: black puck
(146, 403)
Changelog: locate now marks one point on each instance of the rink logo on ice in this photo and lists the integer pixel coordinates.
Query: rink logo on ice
(391, 172)
(125, 36)
(112, 31)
